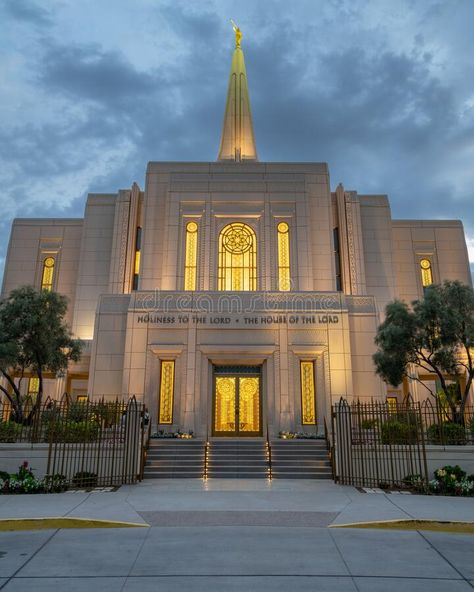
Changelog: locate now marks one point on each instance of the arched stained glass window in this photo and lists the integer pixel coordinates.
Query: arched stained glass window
(284, 279)
(237, 258)
(426, 273)
(48, 274)
(191, 250)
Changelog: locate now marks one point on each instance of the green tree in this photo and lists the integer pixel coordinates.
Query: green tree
(435, 335)
(34, 338)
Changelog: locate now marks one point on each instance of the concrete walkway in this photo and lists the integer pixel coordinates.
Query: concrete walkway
(236, 535)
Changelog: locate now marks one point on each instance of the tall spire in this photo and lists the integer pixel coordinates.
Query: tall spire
(238, 139)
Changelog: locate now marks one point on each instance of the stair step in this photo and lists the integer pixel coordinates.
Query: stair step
(238, 459)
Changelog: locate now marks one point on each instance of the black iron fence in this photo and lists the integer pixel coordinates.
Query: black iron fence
(379, 444)
(90, 443)
(445, 425)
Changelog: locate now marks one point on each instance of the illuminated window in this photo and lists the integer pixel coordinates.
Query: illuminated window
(166, 392)
(136, 263)
(284, 279)
(190, 264)
(308, 394)
(33, 385)
(48, 274)
(426, 273)
(392, 403)
(237, 258)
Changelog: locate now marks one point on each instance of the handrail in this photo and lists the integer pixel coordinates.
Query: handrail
(329, 448)
(269, 451)
(205, 474)
(145, 446)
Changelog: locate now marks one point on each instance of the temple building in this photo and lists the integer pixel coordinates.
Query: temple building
(235, 296)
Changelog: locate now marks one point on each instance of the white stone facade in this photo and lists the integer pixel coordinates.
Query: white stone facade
(128, 332)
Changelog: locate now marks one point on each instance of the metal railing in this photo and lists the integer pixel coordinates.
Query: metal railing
(329, 447)
(377, 445)
(89, 443)
(205, 468)
(269, 455)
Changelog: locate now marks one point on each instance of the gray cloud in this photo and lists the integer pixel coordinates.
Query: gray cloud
(28, 12)
(382, 116)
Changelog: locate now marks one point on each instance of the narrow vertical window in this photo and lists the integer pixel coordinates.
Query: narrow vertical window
(190, 264)
(166, 392)
(136, 263)
(308, 394)
(237, 258)
(33, 386)
(392, 404)
(426, 273)
(48, 274)
(337, 259)
(284, 279)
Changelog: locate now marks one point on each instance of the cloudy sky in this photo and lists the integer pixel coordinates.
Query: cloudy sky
(382, 90)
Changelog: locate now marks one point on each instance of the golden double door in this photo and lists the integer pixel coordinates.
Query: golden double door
(237, 405)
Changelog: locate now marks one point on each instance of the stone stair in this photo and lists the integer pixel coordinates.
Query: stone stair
(300, 459)
(174, 458)
(237, 459)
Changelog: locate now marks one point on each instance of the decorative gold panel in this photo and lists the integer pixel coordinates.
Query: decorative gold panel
(225, 404)
(190, 266)
(237, 258)
(249, 404)
(48, 274)
(136, 269)
(392, 404)
(166, 392)
(284, 279)
(426, 272)
(308, 395)
(33, 385)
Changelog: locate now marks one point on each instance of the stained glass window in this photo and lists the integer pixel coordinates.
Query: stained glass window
(190, 265)
(284, 279)
(33, 385)
(48, 274)
(166, 392)
(426, 273)
(237, 258)
(308, 394)
(136, 264)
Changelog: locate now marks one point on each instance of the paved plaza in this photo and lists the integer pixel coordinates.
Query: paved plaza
(236, 535)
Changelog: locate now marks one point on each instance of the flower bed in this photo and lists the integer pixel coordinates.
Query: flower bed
(448, 480)
(169, 435)
(298, 436)
(24, 481)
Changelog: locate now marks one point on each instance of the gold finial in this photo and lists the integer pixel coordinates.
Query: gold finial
(238, 33)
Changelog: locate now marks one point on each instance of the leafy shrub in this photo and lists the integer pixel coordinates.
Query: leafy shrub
(78, 412)
(368, 424)
(72, 431)
(109, 413)
(9, 431)
(471, 425)
(55, 483)
(446, 433)
(415, 482)
(85, 479)
(24, 481)
(449, 480)
(448, 471)
(396, 431)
